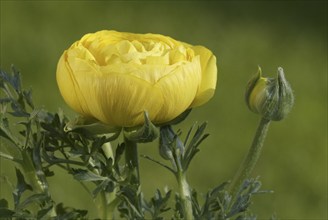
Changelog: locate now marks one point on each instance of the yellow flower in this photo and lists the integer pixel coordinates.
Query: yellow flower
(116, 76)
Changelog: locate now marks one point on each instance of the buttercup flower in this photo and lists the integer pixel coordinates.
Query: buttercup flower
(114, 77)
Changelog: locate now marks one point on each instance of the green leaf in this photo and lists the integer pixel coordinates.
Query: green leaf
(6, 133)
(192, 147)
(44, 213)
(160, 203)
(6, 213)
(3, 203)
(16, 79)
(35, 198)
(106, 185)
(28, 97)
(68, 213)
(84, 175)
(21, 187)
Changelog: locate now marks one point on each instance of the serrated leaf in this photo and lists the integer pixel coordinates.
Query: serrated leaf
(19, 113)
(67, 213)
(84, 175)
(21, 187)
(192, 147)
(16, 79)
(44, 213)
(5, 77)
(35, 198)
(106, 185)
(160, 203)
(28, 97)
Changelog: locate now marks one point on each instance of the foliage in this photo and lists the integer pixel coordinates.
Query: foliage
(38, 141)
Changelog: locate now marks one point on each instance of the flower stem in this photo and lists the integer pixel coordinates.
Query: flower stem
(132, 160)
(102, 207)
(251, 159)
(185, 196)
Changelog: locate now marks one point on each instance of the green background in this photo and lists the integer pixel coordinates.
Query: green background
(243, 35)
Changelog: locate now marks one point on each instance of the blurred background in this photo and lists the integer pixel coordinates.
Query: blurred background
(243, 35)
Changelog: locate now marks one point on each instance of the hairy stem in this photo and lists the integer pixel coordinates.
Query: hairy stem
(104, 206)
(185, 195)
(251, 159)
(132, 160)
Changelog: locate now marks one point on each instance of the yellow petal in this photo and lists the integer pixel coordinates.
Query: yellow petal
(67, 84)
(120, 100)
(179, 89)
(209, 75)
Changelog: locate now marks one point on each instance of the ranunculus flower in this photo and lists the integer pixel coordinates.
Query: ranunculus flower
(114, 77)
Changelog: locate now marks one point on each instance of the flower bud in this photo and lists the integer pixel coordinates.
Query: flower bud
(270, 97)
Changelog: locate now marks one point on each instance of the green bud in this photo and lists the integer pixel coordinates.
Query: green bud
(270, 97)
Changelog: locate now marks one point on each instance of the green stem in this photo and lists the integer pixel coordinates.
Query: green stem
(104, 206)
(132, 160)
(105, 212)
(185, 195)
(251, 159)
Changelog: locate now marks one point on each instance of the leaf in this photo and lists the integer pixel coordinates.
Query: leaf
(6, 213)
(249, 188)
(28, 97)
(106, 185)
(44, 213)
(192, 147)
(84, 175)
(6, 133)
(67, 213)
(3, 203)
(160, 203)
(16, 79)
(37, 198)
(21, 187)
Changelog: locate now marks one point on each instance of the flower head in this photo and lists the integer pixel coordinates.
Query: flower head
(115, 77)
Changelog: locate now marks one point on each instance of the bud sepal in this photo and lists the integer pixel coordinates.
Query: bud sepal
(142, 134)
